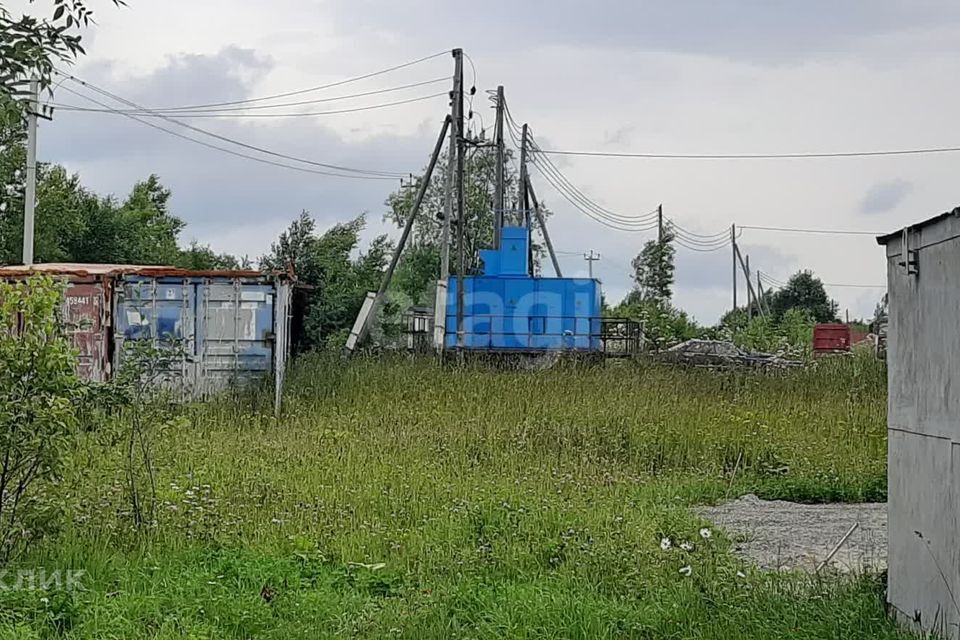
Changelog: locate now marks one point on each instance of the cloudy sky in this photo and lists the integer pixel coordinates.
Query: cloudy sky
(690, 76)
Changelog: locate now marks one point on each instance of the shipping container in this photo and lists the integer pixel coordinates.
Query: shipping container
(221, 327)
(831, 338)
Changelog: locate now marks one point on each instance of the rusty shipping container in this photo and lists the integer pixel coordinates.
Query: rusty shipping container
(831, 338)
(223, 327)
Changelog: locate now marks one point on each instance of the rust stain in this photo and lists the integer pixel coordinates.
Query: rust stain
(86, 318)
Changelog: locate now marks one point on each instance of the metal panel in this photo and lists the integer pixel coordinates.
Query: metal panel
(924, 425)
(162, 311)
(235, 332)
(828, 338)
(282, 317)
(85, 314)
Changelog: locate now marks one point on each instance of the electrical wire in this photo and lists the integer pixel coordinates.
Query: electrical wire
(821, 231)
(683, 237)
(232, 152)
(602, 211)
(780, 284)
(287, 94)
(753, 156)
(177, 111)
(368, 172)
(206, 114)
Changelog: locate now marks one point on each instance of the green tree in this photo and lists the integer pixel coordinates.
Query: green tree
(416, 275)
(33, 45)
(663, 324)
(653, 268)
(339, 274)
(200, 257)
(480, 171)
(806, 292)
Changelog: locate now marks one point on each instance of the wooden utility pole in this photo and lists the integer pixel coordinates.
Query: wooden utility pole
(543, 227)
(461, 221)
(733, 242)
(498, 200)
(660, 225)
(369, 309)
(451, 167)
(751, 294)
(524, 198)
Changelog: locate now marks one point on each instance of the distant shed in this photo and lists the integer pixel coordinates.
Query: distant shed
(230, 326)
(923, 273)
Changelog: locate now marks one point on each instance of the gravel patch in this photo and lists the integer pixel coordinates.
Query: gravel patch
(780, 536)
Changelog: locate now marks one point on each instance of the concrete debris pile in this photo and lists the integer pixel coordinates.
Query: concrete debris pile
(720, 353)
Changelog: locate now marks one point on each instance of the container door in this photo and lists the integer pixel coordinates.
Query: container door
(281, 347)
(161, 310)
(85, 319)
(235, 334)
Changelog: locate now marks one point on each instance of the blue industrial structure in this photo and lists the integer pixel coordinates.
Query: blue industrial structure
(507, 309)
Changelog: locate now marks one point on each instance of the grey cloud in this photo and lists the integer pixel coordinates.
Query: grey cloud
(758, 30)
(212, 191)
(885, 196)
(619, 136)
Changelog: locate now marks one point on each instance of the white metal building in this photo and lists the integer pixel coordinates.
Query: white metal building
(923, 423)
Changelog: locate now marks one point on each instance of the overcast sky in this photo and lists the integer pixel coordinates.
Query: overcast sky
(695, 76)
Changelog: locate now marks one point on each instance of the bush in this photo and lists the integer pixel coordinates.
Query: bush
(39, 393)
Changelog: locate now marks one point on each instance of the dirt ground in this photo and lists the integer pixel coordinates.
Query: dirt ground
(778, 535)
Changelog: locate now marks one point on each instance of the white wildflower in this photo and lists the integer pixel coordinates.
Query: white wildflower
(274, 521)
(705, 533)
(45, 600)
(3, 207)
(686, 546)
(686, 571)
(665, 544)
(741, 574)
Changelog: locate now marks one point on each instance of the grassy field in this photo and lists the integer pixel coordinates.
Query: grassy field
(405, 500)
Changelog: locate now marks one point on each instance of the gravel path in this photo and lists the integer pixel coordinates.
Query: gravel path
(780, 535)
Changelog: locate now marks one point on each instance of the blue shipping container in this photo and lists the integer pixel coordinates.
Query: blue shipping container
(223, 328)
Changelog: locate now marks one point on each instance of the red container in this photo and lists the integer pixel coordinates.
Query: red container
(831, 338)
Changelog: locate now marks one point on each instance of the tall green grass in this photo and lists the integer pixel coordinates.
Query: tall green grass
(406, 499)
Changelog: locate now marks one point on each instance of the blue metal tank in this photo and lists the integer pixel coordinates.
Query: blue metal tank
(507, 309)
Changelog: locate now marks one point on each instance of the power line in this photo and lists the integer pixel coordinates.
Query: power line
(209, 114)
(232, 152)
(752, 156)
(311, 89)
(381, 174)
(176, 111)
(821, 231)
(780, 284)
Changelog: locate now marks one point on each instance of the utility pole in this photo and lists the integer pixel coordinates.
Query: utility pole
(368, 310)
(761, 293)
(751, 294)
(591, 258)
(461, 223)
(524, 198)
(30, 200)
(451, 166)
(498, 200)
(543, 227)
(660, 225)
(733, 242)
